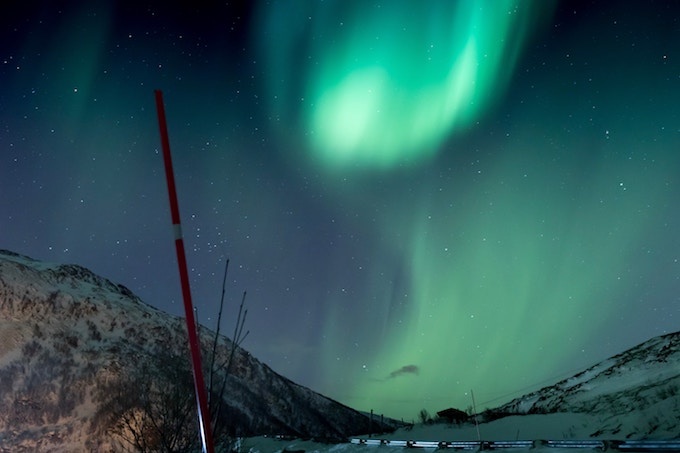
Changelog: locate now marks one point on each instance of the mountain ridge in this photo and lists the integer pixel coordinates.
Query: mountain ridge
(66, 333)
(634, 394)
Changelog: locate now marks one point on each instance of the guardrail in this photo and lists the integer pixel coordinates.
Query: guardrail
(621, 445)
(647, 445)
(592, 444)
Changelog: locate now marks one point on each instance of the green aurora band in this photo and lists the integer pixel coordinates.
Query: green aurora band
(501, 296)
(497, 273)
(507, 281)
(384, 86)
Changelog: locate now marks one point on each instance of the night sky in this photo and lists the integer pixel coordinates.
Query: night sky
(420, 198)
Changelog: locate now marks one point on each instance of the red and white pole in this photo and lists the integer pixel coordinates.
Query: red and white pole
(194, 345)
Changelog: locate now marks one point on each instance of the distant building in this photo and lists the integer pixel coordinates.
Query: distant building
(453, 415)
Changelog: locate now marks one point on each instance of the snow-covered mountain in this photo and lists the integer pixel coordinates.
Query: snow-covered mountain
(635, 394)
(74, 347)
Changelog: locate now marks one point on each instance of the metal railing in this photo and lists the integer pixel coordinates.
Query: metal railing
(602, 445)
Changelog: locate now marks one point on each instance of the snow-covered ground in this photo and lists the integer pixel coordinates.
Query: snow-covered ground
(561, 426)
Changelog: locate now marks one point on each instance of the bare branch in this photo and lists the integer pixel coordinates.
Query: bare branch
(217, 333)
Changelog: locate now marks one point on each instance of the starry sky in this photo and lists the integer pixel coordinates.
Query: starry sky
(420, 198)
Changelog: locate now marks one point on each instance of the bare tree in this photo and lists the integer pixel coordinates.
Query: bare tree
(424, 416)
(151, 406)
(219, 374)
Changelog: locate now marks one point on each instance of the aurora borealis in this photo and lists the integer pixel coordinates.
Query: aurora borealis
(388, 84)
(420, 198)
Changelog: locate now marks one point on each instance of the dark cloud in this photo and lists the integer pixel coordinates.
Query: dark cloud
(406, 369)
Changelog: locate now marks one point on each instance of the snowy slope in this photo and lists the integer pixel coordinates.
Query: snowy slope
(632, 396)
(66, 333)
(635, 394)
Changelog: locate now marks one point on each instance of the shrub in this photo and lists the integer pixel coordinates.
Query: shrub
(424, 417)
